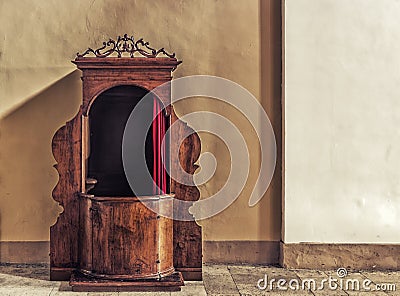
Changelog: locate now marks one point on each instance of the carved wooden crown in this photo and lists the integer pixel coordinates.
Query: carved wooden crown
(128, 46)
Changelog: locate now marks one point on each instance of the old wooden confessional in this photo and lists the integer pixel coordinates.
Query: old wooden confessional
(106, 238)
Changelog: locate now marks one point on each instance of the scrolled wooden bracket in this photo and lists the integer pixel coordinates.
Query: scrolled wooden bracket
(187, 234)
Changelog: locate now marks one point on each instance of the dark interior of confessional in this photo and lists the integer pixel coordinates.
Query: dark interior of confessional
(107, 121)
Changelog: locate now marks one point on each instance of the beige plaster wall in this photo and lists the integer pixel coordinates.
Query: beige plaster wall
(40, 90)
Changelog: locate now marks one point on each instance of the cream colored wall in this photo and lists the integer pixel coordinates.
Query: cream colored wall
(40, 90)
(342, 121)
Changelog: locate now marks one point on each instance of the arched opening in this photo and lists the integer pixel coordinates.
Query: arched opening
(107, 119)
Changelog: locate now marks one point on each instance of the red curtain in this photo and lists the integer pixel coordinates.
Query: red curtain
(159, 150)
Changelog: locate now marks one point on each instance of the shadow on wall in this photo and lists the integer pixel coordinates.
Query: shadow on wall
(27, 176)
(271, 79)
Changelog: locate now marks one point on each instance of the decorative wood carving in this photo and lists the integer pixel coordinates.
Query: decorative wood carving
(69, 245)
(126, 44)
(66, 147)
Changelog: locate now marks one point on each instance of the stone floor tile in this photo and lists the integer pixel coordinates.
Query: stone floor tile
(102, 294)
(358, 293)
(34, 271)
(69, 293)
(64, 286)
(250, 275)
(250, 278)
(224, 294)
(262, 268)
(287, 293)
(215, 269)
(144, 293)
(329, 293)
(194, 283)
(334, 273)
(251, 290)
(310, 274)
(64, 289)
(237, 294)
(29, 291)
(383, 277)
(8, 280)
(280, 272)
(219, 284)
(191, 288)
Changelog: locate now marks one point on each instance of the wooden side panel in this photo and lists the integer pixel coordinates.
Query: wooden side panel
(66, 147)
(187, 234)
(103, 237)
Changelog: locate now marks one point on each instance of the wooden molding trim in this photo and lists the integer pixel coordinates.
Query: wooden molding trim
(24, 251)
(250, 252)
(333, 256)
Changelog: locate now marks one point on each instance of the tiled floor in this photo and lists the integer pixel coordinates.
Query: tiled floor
(23, 279)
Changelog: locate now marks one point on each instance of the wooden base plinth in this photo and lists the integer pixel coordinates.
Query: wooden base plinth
(191, 274)
(61, 274)
(82, 283)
